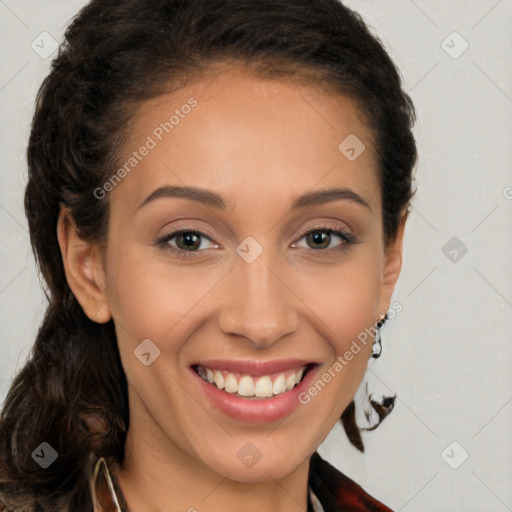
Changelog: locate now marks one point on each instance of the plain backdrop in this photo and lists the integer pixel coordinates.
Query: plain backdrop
(448, 443)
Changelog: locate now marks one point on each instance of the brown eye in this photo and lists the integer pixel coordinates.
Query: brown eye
(322, 240)
(319, 238)
(185, 242)
(188, 240)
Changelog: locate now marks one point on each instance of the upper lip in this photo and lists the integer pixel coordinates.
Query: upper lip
(254, 367)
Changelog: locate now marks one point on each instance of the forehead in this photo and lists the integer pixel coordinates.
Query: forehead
(245, 136)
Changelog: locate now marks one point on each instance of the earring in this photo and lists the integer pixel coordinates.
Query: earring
(368, 408)
(101, 480)
(377, 344)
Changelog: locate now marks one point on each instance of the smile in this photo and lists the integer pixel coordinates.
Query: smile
(252, 386)
(253, 391)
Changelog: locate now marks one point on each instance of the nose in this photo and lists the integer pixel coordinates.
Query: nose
(258, 302)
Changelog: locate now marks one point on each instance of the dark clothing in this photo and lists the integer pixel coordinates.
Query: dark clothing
(337, 492)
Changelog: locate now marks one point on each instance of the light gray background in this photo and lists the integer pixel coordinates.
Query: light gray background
(448, 353)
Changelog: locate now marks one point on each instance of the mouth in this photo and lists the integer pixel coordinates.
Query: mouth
(256, 392)
(253, 386)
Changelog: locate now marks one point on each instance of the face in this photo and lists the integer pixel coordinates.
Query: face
(243, 283)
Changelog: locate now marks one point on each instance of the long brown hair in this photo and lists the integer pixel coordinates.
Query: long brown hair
(114, 56)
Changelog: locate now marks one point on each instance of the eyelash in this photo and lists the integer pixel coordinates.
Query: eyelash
(347, 238)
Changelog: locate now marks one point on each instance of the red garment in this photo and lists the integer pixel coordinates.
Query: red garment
(337, 492)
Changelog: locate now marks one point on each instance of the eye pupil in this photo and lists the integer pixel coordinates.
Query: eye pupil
(189, 238)
(320, 237)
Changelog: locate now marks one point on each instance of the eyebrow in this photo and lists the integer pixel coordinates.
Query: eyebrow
(213, 199)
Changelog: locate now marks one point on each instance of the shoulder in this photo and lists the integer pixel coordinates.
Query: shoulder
(338, 492)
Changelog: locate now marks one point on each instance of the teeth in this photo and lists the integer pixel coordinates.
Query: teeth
(246, 386)
(218, 378)
(264, 386)
(230, 383)
(290, 382)
(279, 385)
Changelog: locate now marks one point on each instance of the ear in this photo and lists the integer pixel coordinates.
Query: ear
(392, 265)
(83, 265)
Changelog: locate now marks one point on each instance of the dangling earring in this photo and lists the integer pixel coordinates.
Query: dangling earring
(368, 408)
(377, 343)
(103, 490)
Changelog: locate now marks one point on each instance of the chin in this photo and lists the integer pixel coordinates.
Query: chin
(250, 465)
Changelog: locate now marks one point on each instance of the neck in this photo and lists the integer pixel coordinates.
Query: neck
(158, 475)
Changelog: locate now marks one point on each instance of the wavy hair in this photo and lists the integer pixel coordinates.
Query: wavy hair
(114, 56)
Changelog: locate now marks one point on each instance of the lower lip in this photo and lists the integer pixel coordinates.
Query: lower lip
(264, 410)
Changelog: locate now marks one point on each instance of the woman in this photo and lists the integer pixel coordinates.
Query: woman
(217, 199)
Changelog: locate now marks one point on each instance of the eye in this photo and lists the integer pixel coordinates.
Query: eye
(320, 238)
(187, 241)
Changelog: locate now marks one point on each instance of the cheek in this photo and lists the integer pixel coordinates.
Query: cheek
(346, 298)
(347, 304)
(149, 297)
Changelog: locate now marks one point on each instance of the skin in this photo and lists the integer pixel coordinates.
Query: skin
(255, 142)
